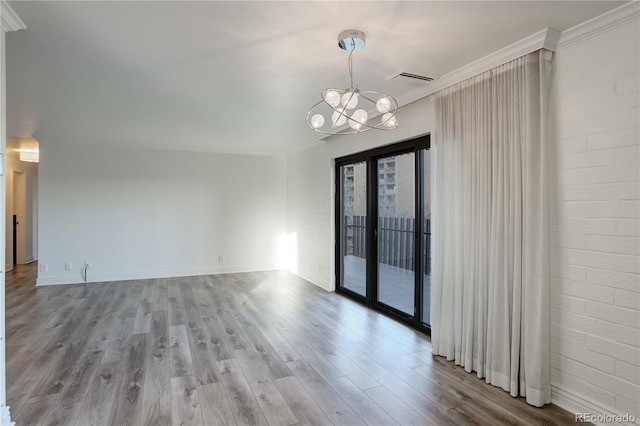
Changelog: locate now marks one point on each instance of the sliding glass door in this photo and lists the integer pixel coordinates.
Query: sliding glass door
(396, 232)
(425, 317)
(383, 255)
(353, 230)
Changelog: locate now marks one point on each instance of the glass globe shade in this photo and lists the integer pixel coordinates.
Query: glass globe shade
(383, 105)
(337, 119)
(389, 120)
(317, 121)
(332, 98)
(350, 100)
(359, 117)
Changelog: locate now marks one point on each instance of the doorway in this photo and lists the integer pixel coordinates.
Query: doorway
(21, 203)
(383, 229)
(18, 214)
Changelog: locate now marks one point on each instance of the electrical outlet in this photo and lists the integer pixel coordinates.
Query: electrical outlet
(44, 267)
(88, 264)
(220, 258)
(68, 266)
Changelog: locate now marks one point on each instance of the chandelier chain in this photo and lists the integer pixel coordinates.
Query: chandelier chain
(353, 48)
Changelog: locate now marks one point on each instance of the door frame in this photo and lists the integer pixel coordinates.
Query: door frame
(370, 157)
(19, 194)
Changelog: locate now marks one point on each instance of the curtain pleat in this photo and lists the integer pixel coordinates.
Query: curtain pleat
(490, 310)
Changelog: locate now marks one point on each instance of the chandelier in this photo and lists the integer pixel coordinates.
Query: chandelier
(349, 111)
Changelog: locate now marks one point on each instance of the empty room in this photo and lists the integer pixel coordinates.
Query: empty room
(317, 212)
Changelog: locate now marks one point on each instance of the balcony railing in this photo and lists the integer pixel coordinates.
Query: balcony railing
(395, 240)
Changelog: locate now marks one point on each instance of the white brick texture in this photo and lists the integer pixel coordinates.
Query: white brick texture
(594, 214)
(309, 214)
(595, 217)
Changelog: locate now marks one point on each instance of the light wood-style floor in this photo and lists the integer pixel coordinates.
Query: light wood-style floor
(255, 348)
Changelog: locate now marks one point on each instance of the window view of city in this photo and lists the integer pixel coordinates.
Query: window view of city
(354, 210)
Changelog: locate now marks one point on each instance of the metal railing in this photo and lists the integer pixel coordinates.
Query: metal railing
(395, 240)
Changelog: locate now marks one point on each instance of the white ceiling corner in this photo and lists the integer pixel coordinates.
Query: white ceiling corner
(599, 24)
(544, 39)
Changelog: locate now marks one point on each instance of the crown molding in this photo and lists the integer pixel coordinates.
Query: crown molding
(543, 39)
(549, 39)
(9, 19)
(600, 24)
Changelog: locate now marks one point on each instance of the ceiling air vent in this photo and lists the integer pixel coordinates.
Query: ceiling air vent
(412, 78)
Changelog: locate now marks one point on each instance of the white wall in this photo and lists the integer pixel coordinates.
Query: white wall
(310, 190)
(595, 217)
(149, 213)
(5, 416)
(27, 215)
(594, 222)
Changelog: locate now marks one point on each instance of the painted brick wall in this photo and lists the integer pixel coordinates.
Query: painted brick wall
(595, 211)
(309, 212)
(595, 217)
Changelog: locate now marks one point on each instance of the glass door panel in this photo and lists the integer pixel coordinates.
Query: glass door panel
(383, 229)
(426, 237)
(353, 245)
(396, 232)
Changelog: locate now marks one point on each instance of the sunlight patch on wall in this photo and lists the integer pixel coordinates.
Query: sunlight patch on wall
(288, 252)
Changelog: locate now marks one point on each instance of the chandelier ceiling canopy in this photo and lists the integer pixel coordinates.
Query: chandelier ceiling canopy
(352, 110)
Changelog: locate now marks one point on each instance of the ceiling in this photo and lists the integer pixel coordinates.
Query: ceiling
(235, 76)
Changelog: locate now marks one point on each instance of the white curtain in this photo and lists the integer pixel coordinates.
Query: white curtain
(490, 286)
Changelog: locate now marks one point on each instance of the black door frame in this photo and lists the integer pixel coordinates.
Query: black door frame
(15, 239)
(370, 157)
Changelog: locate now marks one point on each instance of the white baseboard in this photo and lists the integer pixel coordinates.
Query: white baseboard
(125, 276)
(5, 416)
(30, 259)
(575, 403)
(312, 281)
(8, 267)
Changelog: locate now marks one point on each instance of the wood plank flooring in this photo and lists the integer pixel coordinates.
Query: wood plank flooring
(264, 348)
